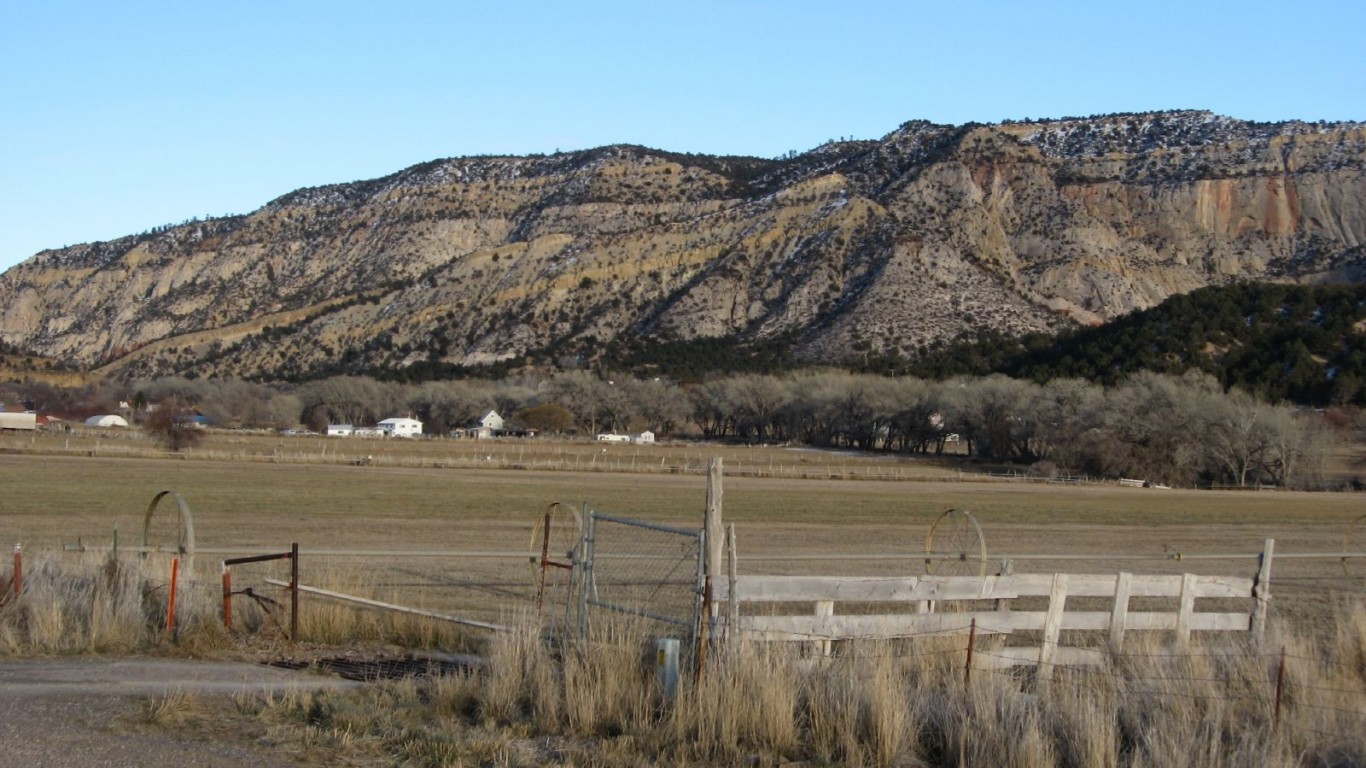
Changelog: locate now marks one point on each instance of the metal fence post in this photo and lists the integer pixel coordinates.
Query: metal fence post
(227, 596)
(586, 587)
(666, 666)
(170, 600)
(294, 592)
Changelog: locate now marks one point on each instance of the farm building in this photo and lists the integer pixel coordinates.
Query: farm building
(25, 421)
(401, 427)
(492, 422)
(106, 420)
(644, 438)
(340, 430)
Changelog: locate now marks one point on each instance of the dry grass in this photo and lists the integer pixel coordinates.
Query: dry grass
(764, 705)
(1207, 705)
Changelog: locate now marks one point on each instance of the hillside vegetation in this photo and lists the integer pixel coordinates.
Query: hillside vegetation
(1301, 344)
(847, 253)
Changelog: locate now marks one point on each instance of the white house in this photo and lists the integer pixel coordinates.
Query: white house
(492, 421)
(108, 420)
(401, 427)
(340, 430)
(644, 438)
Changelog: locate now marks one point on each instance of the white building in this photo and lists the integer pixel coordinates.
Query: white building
(24, 421)
(608, 437)
(401, 427)
(644, 438)
(108, 420)
(340, 430)
(492, 422)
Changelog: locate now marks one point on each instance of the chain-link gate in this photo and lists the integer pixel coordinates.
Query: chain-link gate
(646, 570)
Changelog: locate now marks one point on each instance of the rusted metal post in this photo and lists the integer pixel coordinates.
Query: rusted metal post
(972, 641)
(1280, 688)
(18, 581)
(170, 600)
(294, 592)
(227, 596)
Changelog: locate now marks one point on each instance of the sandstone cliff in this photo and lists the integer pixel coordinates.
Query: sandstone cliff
(852, 248)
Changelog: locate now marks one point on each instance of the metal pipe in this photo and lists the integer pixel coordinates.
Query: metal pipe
(389, 606)
(650, 526)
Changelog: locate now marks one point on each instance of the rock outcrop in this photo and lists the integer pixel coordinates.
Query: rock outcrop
(854, 248)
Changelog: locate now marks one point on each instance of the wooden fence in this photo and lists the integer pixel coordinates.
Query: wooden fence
(948, 605)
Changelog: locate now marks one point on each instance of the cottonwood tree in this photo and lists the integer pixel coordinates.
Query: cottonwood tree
(169, 423)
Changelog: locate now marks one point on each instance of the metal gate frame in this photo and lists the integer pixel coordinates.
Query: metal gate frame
(585, 575)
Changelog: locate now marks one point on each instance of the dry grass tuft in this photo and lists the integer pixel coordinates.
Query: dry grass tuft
(884, 704)
(172, 708)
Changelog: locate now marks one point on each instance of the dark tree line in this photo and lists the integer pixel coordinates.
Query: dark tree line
(1183, 430)
(1283, 343)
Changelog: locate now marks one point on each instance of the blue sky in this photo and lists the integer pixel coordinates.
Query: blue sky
(118, 117)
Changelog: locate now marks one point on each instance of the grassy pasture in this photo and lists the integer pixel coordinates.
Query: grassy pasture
(253, 492)
(769, 707)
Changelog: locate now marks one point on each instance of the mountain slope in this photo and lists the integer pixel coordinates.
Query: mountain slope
(855, 248)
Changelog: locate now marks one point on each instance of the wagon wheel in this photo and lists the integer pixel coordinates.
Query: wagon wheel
(554, 538)
(178, 535)
(955, 546)
(1354, 542)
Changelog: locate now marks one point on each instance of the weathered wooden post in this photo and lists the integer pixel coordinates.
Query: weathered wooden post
(1261, 591)
(1052, 626)
(967, 665)
(1119, 610)
(714, 538)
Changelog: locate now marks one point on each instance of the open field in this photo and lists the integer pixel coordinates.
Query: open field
(266, 492)
(878, 705)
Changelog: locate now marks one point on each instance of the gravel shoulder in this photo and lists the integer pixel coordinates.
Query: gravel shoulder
(86, 712)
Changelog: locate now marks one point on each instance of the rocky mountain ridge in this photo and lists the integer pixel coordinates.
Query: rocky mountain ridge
(853, 248)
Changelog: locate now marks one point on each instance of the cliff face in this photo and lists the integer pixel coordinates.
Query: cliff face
(875, 246)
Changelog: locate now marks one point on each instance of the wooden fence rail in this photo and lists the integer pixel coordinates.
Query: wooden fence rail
(937, 605)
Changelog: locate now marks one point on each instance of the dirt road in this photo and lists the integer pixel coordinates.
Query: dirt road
(86, 712)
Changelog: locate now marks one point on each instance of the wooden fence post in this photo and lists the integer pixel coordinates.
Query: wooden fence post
(716, 534)
(1261, 591)
(1187, 609)
(967, 665)
(1052, 626)
(824, 609)
(714, 540)
(1119, 611)
(17, 583)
